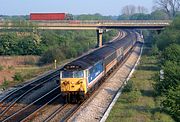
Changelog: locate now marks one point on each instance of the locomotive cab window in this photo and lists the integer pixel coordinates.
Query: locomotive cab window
(72, 74)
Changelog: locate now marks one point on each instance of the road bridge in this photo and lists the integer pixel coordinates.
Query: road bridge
(99, 25)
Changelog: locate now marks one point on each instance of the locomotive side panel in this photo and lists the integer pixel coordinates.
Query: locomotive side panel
(95, 73)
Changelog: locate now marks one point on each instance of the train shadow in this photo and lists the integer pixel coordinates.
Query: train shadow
(148, 93)
(150, 68)
(144, 109)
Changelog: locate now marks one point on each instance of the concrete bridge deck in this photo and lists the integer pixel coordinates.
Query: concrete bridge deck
(87, 24)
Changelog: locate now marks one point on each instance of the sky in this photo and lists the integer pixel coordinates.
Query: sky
(76, 7)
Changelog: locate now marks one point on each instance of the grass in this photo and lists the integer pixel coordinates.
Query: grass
(145, 107)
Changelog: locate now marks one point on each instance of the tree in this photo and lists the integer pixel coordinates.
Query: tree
(52, 54)
(171, 103)
(129, 10)
(170, 7)
(171, 78)
(96, 16)
(142, 9)
(8, 44)
(123, 17)
(29, 46)
(139, 16)
(169, 36)
(159, 15)
(172, 53)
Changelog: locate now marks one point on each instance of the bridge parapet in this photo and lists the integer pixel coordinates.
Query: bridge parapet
(87, 24)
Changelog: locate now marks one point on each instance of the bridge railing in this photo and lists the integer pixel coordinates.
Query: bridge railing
(92, 23)
(104, 21)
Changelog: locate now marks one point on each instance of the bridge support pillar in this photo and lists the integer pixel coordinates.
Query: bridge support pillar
(158, 31)
(99, 37)
(141, 32)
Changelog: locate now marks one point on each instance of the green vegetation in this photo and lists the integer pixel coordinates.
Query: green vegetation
(17, 77)
(13, 44)
(129, 87)
(5, 84)
(107, 36)
(96, 16)
(138, 101)
(10, 67)
(1, 68)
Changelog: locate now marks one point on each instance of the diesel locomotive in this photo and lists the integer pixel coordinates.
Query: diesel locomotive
(79, 77)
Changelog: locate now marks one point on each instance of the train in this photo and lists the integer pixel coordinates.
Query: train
(50, 16)
(79, 77)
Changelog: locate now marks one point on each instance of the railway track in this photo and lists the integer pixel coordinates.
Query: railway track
(26, 111)
(9, 104)
(43, 113)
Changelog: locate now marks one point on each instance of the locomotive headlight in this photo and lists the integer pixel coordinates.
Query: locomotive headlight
(80, 81)
(65, 82)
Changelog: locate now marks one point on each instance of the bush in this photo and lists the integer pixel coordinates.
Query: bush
(133, 96)
(128, 87)
(10, 67)
(1, 68)
(155, 50)
(50, 55)
(4, 84)
(17, 77)
(171, 103)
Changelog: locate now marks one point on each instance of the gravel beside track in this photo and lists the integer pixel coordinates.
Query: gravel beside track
(94, 110)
